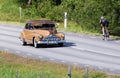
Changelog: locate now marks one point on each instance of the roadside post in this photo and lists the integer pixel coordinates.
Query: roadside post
(65, 20)
(41, 75)
(20, 10)
(87, 71)
(69, 71)
(17, 75)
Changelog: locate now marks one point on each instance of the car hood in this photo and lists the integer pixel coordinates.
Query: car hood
(44, 33)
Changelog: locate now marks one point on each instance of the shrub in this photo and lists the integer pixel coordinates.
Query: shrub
(116, 31)
(57, 14)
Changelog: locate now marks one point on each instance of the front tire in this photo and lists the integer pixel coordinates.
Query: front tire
(60, 44)
(23, 42)
(35, 44)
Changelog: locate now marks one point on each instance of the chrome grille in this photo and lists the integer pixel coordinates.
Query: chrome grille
(51, 38)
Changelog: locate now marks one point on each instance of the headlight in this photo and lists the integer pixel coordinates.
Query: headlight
(40, 36)
(62, 35)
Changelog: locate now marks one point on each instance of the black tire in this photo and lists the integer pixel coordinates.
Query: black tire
(35, 43)
(23, 42)
(60, 44)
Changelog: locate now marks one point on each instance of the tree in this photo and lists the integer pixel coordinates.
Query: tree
(29, 2)
(86, 13)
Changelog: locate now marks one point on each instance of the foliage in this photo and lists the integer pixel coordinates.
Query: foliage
(86, 13)
(12, 66)
(116, 31)
(56, 14)
(8, 10)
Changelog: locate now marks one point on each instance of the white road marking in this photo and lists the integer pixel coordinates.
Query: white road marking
(18, 52)
(83, 49)
(117, 41)
(78, 48)
(101, 68)
(52, 59)
(93, 37)
(29, 54)
(81, 36)
(94, 51)
(63, 61)
(25, 56)
(40, 57)
(112, 70)
(75, 63)
(87, 65)
(6, 49)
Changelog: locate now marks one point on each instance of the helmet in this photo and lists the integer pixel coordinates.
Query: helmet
(102, 17)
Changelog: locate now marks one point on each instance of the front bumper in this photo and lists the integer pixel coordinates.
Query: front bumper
(51, 42)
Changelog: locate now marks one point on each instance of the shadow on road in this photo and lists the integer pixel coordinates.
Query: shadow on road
(110, 39)
(67, 44)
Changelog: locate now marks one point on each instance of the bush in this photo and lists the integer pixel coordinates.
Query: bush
(9, 11)
(57, 14)
(85, 13)
(116, 31)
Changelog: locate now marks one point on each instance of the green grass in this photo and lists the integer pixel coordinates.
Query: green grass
(9, 12)
(73, 27)
(11, 64)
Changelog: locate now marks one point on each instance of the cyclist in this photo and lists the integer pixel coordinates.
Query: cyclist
(104, 26)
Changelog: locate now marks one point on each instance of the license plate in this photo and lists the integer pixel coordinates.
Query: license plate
(52, 42)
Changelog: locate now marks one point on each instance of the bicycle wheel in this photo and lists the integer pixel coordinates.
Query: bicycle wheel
(106, 33)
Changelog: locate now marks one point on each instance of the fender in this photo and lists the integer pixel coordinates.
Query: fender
(22, 36)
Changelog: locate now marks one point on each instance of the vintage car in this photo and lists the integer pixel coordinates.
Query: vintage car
(38, 32)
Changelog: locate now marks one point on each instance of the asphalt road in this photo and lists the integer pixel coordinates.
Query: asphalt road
(80, 50)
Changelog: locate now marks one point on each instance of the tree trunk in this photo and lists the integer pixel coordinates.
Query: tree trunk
(29, 2)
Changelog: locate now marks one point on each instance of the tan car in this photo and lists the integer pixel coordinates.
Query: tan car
(38, 32)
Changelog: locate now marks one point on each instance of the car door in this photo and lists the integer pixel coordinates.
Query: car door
(28, 33)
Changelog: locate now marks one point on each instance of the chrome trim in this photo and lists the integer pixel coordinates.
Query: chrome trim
(51, 38)
(51, 42)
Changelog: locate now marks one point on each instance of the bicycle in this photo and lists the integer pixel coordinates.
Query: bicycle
(106, 33)
(104, 25)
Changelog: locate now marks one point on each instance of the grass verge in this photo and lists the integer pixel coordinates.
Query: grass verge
(11, 65)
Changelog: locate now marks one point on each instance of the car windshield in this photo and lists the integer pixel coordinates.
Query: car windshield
(45, 26)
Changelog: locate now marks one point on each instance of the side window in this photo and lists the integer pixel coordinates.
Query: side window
(27, 26)
(30, 27)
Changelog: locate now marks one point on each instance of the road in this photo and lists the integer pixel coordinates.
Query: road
(80, 50)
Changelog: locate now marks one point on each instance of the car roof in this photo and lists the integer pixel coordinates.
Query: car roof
(39, 22)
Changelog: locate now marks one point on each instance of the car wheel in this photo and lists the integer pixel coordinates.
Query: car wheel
(35, 44)
(23, 42)
(60, 44)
